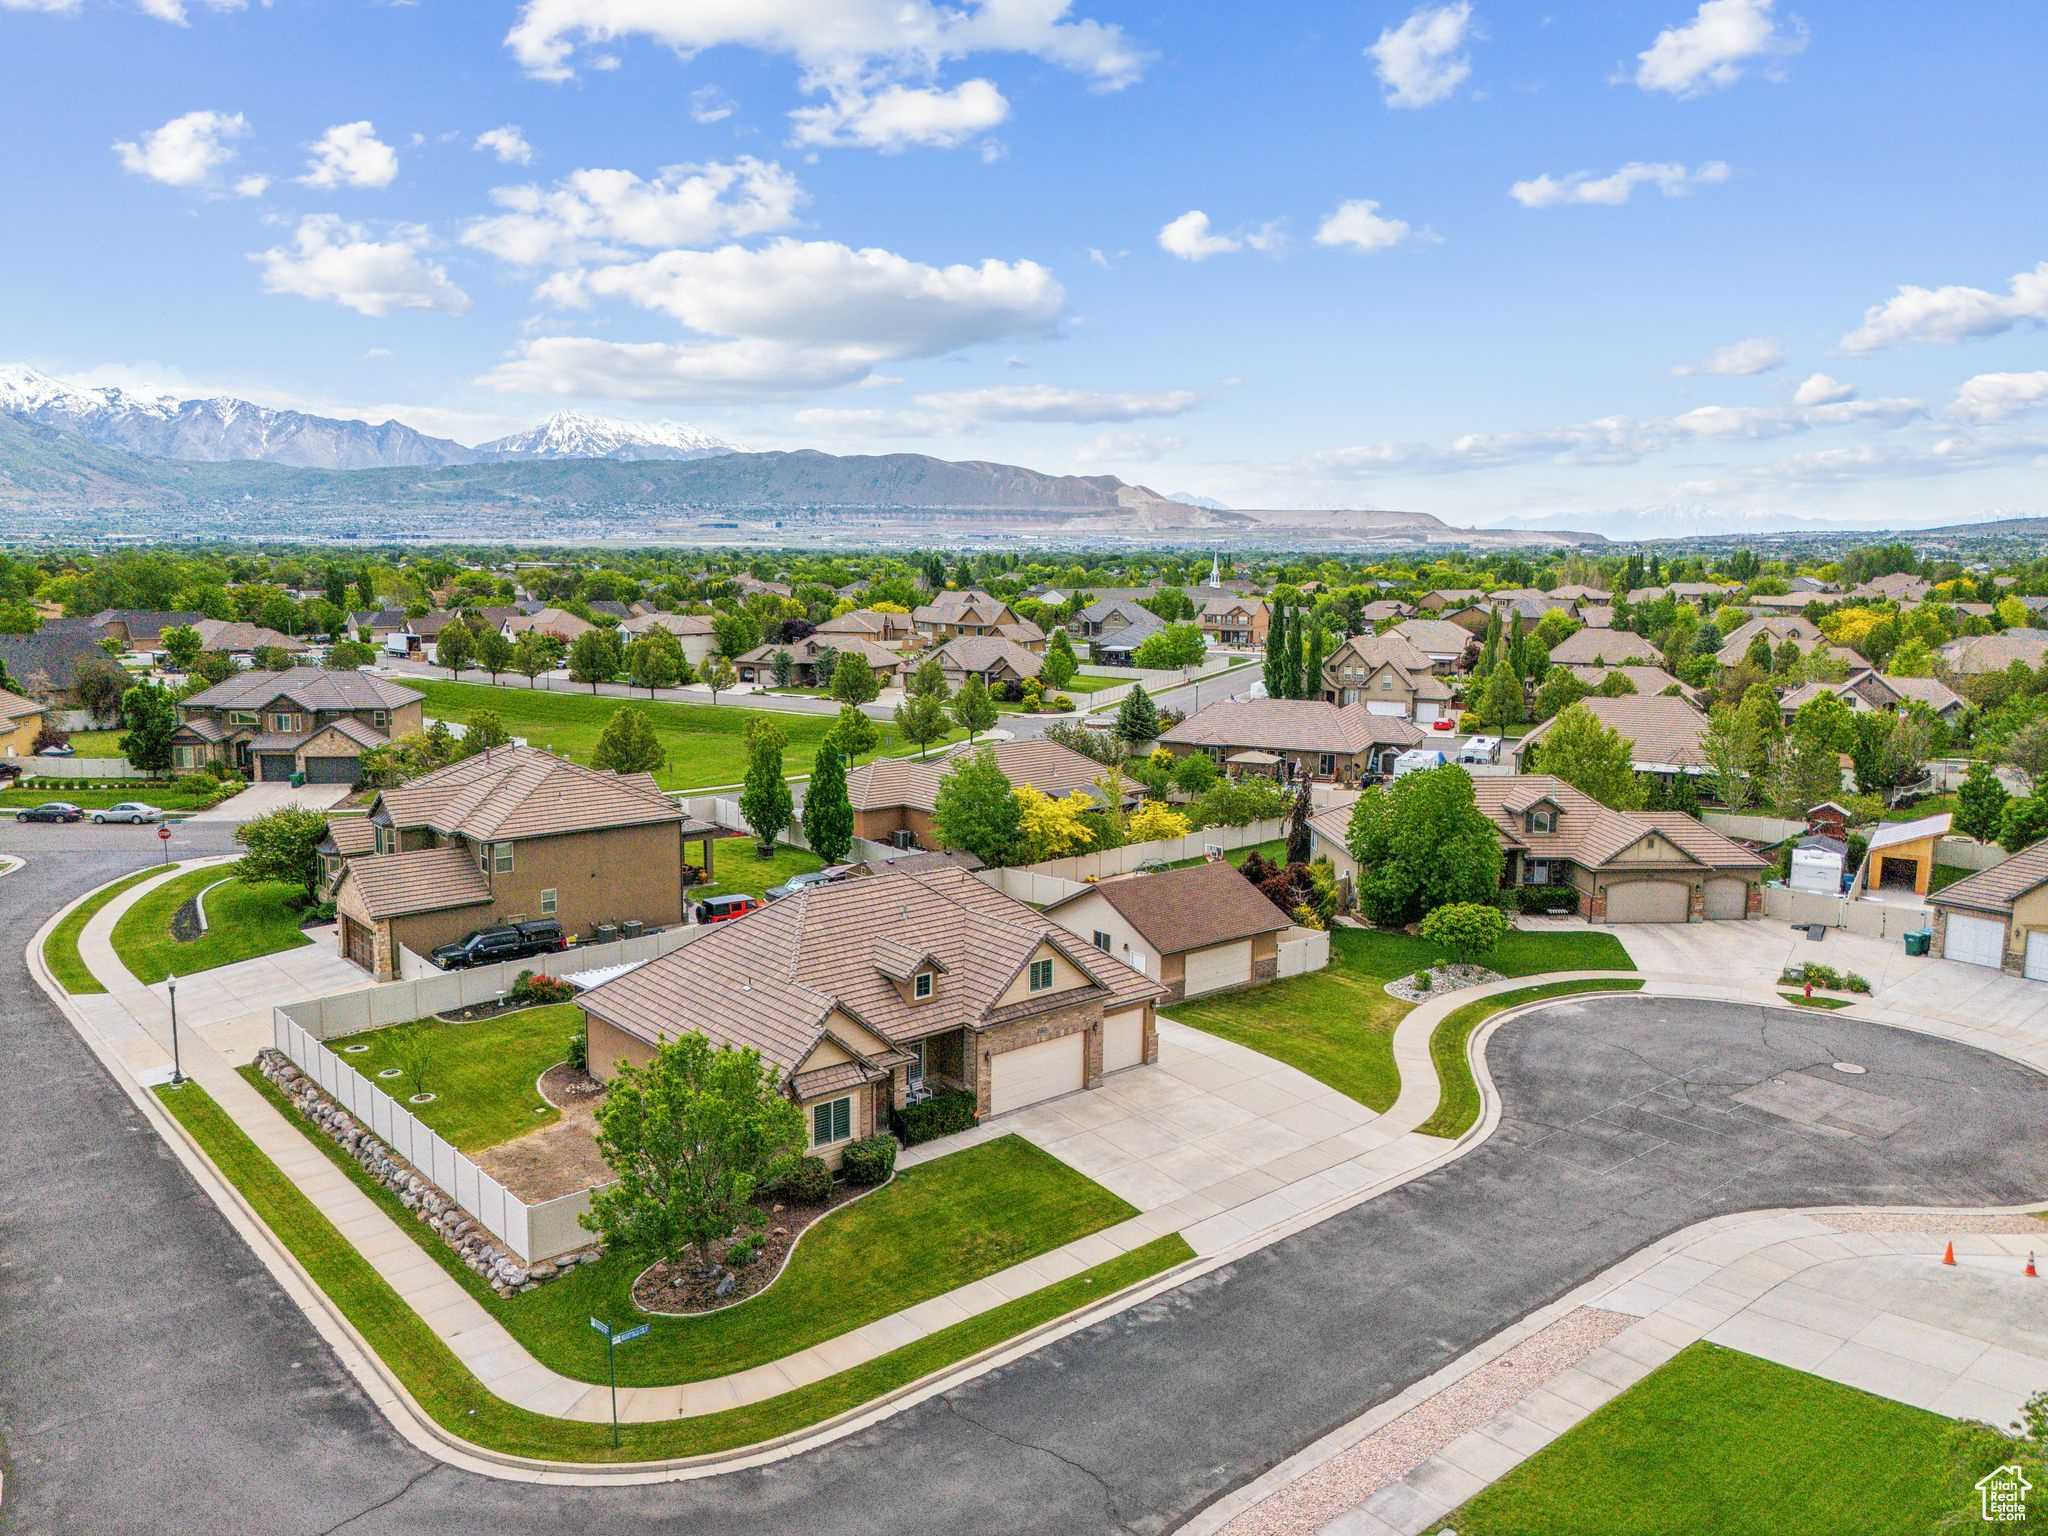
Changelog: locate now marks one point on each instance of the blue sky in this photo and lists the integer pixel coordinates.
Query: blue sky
(1644, 265)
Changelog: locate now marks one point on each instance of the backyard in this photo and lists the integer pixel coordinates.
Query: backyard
(741, 869)
(483, 1074)
(243, 921)
(1337, 1024)
(702, 741)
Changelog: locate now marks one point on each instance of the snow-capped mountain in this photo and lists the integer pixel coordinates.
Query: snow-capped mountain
(572, 435)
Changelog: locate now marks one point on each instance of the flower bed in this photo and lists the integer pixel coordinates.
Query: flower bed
(1442, 979)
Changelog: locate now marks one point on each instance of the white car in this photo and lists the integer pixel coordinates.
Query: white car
(133, 812)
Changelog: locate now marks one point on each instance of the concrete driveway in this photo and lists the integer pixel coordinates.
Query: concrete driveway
(261, 799)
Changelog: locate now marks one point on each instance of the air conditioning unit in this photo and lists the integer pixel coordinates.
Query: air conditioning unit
(903, 839)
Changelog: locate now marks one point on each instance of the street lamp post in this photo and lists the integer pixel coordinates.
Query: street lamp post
(177, 1069)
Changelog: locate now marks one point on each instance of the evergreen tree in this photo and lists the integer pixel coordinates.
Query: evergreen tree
(1060, 663)
(1275, 673)
(765, 800)
(828, 813)
(1137, 718)
(1312, 662)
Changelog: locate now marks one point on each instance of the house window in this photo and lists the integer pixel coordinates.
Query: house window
(831, 1121)
(284, 724)
(1041, 975)
(1543, 821)
(387, 839)
(184, 757)
(1537, 873)
(1326, 764)
(1102, 941)
(241, 717)
(380, 718)
(501, 859)
(547, 902)
(921, 985)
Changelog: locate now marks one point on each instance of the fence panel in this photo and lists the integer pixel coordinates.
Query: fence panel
(464, 1188)
(442, 1158)
(1968, 853)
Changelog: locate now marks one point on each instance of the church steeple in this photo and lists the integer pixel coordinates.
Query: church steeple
(1215, 569)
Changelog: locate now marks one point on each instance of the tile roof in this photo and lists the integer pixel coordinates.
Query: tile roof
(1292, 725)
(226, 635)
(679, 624)
(1435, 637)
(514, 792)
(1175, 910)
(1777, 628)
(144, 625)
(1609, 647)
(1997, 888)
(980, 653)
(1647, 679)
(1128, 637)
(1666, 732)
(424, 880)
(1931, 691)
(53, 652)
(1590, 834)
(310, 688)
(866, 622)
(548, 621)
(1392, 649)
(805, 651)
(14, 707)
(351, 835)
(1977, 654)
(362, 737)
(910, 783)
(1127, 610)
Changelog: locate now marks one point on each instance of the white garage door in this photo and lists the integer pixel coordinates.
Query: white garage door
(1428, 714)
(1385, 707)
(1123, 1039)
(1727, 900)
(1211, 970)
(1648, 901)
(1975, 941)
(2037, 957)
(1034, 1072)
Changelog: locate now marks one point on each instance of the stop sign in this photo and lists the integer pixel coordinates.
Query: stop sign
(163, 834)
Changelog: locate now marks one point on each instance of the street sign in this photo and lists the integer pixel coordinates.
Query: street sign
(603, 1328)
(612, 1341)
(631, 1334)
(163, 834)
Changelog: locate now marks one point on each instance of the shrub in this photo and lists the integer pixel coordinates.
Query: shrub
(808, 1181)
(1854, 983)
(1059, 701)
(1544, 898)
(579, 1051)
(321, 912)
(1466, 929)
(941, 1115)
(742, 1251)
(1424, 979)
(534, 987)
(869, 1161)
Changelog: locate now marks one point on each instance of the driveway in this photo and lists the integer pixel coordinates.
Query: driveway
(261, 799)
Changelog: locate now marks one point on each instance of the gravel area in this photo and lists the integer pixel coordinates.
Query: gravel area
(1915, 1221)
(1443, 978)
(1395, 1449)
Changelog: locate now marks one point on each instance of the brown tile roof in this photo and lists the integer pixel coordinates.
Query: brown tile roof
(351, 835)
(867, 622)
(1292, 725)
(979, 653)
(226, 635)
(1591, 834)
(805, 651)
(14, 707)
(693, 624)
(912, 783)
(1604, 647)
(1393, 649)
(1997, 888)
(514, 792)
(309, 688)
(1436, 637)
(353, 734)
(1647, 679)
(424, 880)
(548, 621)
(1931, 691)
(1176, 910)
(1977, 654)
(1777, 628)
(1665, 732)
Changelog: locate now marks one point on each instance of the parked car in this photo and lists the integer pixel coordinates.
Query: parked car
(804, 882)
(506, 941)
(134, 812)
(51, 810)
(723, 909)
(9, 772)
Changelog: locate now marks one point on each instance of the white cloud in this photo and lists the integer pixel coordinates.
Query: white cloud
(350, 155)
(1423, 60)
(1724, 39)
(1759, 354)
(345, 264)
(1358, 224)
(1950, 314)
(594, 213)
(708, 105)
(507, 143)
(1190, 238)
(1127, 448)
(1819, 389)
(1048, 402)
(898, 116)
(49, 7)
(187, 150)
(685, 372)
(1996, 396)
(172, 11)
(1547, 191)
(251, 186)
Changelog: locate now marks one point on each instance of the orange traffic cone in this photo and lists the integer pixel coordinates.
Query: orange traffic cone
(1948, 1255)
(2031, 1275)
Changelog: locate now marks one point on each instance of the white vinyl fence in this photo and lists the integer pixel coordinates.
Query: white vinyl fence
(79, 768)
(1303, 950)
(1752, 829)
(1121, 861)
(1968, 853)
(1872, 919)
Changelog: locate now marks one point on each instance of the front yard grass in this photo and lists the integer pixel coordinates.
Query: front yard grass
(1457, 1110)
(483, 1074)
(1337, 1024)
(1801, 1000)
(243, 921)
(702, 740)
(738, 864)
(60, 949)
(454, 1399)
(1718, 1443)
(91, 797)
(1274, 850)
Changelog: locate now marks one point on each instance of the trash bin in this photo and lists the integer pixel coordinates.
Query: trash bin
(298, 780)
(1918, 940)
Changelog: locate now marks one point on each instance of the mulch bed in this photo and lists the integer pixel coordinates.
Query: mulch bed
(562, 1085)
(185, 922)
(684, 1291)
(487, 1010)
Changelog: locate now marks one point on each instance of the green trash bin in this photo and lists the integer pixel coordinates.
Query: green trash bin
(1917, 941)
(298, 781)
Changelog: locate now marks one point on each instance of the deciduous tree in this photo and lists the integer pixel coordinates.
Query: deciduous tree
(283, 846)
(627, 744)
(1422, 842)
(828, 813)
(975, 810)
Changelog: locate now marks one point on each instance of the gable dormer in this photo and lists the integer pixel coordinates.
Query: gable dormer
(1542, 817)
(912, 971)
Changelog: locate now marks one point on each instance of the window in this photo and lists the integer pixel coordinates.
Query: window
(283, 723)
(1041, 975)
(831, 1121)
(241, 717)
(184, 757)
(1543, 821)
(1102, 941)
(921, 985)
(387, 839)
(1537, 873)
(381, 718)
(547, 902)
(501, 858)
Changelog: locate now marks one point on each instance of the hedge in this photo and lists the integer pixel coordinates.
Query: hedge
(941, 1115)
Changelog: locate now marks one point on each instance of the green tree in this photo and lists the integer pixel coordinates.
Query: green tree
(1278, 647)
(593, 658)
(1176, 645)
(1980, 803)
(655, 660)
(1137, 718)
(1060, 664)
(976, 810)
(2024, 822)
(1804, 771)
(149, 716)
(1560, 689)
(283, 847)
(494, 653)
(828, 813)
(1421, 843)
(484, 730)
(349, 656)
(921, 719)
(718, 675)
(213, 667)
(1465, 930)
(765, 800)
(455, 648)
(1592, 757)
(1313, 651)
(853, 680)
(181, 647)
(855, 732)
(690, 1138)
(1500, 701)
(782, 667)
(98, 683)
(366, 588)
(531, 655)
(627, 744)
(973, 710)
(1731, 749)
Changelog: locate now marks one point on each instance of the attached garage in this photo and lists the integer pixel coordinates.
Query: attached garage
(358, 946)
(1123, 1039)
(275, 767)
(2037, 956)
(1219, 967)
(1033, 1073)
(331, 770)
(1648, 901)
(1977, 941)
(1727, 901)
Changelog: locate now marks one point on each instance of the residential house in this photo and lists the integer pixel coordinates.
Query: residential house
(1947, 704)
(1969, 656)
(894, 797)
(1863, 691)
(1385, 610)
(1596, 615)
(1448, 597)
(1295, 738)
(693, 631)
(559, 622)
(1644, 678)
(268, 726)
(1997, 917)
(21, 722)
(238, 639)
(45, 661)
(999, 663)
(1605, 648)
(864, 994)
(346, 836)
(952, 614)
(1389, 676)
(1775, 629)
(1666, 735)
(813, 659)
(511, 835)
(1236, 623)
(1809, 586)
(1449, 647)
(1626, 866)
(1901, 587)
(893, 630)
(1582, 594)
(1107, 615)
(1196, 930)
(1119, 647)
(1778, 602)
(138, 629)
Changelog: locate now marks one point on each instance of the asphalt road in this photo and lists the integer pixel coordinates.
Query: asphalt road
(153, 1378)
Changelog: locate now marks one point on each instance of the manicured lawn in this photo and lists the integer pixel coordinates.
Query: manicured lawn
(702, 740)
(740, 868)
(60, 949)
(1457, 1111)
(41, 791)
(455, 1400)
(1274, 850)
(243, 921)
(483, 1074)
(1946, 875)
(1081, 682)
(98, 743)
(1337, 1024)
(1718, 1443)
(1800, 999)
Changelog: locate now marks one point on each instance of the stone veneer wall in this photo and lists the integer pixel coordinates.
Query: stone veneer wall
(1046, 1026)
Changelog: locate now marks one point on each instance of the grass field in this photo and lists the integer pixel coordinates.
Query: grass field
(454, 1399)
(98, 743)
(243, 921)
(1718, 1443)
(740, 868)
(163, 796)
(1337, 1024)
(60, 949)
(702, 740)
(482, 1074)
(1458, 1110)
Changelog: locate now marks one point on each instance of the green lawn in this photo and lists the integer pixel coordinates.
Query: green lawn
(60, 949)
(1718, 1443)
(702, 740)
(483, 1074)
(163, 796)
(1457, 1111)
(98, 743)
(1337, 1024)
(1081, 682)
(1946, 875)
(243, 921)
(455, 1400)
(740, 868)
(1274, 850)
(1801, 1000)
